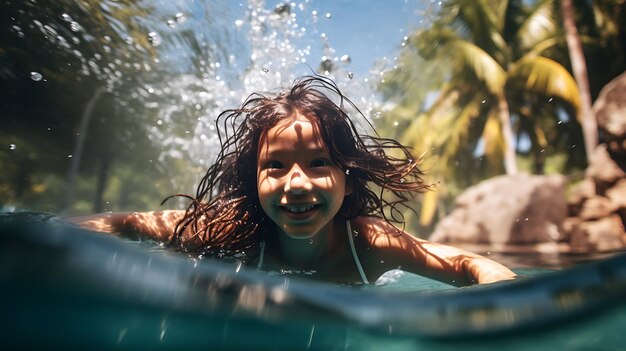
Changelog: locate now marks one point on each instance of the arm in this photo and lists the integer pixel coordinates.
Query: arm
(396, 248)
(157, 225)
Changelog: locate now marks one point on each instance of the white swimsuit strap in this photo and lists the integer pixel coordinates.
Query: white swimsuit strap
(352, 248)
(356, 257)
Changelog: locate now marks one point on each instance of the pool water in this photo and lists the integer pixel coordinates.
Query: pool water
(67, 287)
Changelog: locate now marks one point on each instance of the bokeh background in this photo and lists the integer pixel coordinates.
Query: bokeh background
(109, 105)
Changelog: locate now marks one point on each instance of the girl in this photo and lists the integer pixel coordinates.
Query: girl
(295, 186)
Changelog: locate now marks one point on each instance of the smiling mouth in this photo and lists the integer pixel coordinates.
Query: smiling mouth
(299, 209)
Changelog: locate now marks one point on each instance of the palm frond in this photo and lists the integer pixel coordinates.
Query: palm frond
(539, 26)
(484, 67)
(545, 76)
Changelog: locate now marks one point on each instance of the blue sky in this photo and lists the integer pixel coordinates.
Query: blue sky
(365, 30)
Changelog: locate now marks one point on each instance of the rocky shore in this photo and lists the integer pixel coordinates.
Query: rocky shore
(535, 213)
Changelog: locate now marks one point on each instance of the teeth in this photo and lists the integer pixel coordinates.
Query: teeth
(299, 209)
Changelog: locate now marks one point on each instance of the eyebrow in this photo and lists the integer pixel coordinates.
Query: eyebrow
(316, 150)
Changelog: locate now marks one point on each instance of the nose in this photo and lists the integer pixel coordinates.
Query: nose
(297, 181)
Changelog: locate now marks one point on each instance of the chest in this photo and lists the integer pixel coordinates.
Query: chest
(340, 267)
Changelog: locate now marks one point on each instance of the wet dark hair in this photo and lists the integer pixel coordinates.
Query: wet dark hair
(225, 215)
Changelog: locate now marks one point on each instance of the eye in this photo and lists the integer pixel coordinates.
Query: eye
(274, 165)
(321, 162)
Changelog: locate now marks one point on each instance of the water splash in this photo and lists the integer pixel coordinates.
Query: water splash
(280, 42)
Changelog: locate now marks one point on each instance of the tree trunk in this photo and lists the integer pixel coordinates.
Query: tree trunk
(78, 149)
(579, 68)
(510, 162)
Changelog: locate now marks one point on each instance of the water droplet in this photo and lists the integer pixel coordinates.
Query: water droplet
(69, 156)
(559, 122)
(516, 220)
(282, 9)
(154, 38)
(36, 76)
(310, 241)
(550, 99)
(488, 252)
(347, 172)
(328, 15)
(526, 219)
(542, 150)
(395, 123)
(171, 23)
(345, 59)
(382, 261)
(350, 75)
(74, 26)
(355, 233)
(265, 70)
(573, 146)
(180, 17)
(12, 146)
(238, 23)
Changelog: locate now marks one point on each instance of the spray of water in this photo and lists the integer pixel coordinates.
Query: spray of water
(280, 51)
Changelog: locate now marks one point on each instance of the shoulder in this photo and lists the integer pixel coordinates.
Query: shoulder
(379, 232)
(384, 246)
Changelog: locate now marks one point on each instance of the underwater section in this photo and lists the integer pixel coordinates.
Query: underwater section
(68, 287)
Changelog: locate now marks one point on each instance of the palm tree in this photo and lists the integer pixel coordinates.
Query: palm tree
(579, 67)
(493, 51)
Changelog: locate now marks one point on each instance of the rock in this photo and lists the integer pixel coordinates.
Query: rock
(575, 235)
(617, 194)
(518, 209)
(610, 112)
(610, 109)
(603, 170)
(596, 207)
(578, 194)
(581, 191)
(605, 234)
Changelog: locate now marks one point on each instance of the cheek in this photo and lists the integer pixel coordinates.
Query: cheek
(265, 186)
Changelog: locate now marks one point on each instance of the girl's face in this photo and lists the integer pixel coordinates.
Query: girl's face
(300, 188)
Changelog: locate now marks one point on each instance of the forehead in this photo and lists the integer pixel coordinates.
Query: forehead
(297, 133)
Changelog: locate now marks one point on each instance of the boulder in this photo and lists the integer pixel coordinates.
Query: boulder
(603, 170)
(610, 109)
(519, 209)
(596, 207)
(578, 194)
(604, 234)
(617, 194)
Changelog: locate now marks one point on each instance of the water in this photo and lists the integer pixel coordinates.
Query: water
(75, 288)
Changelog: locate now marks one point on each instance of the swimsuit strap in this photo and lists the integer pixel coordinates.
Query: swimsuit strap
(352, 248)
(356, 257)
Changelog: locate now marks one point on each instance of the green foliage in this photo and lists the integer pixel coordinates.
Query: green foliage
(485, 69)
(79, 48)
